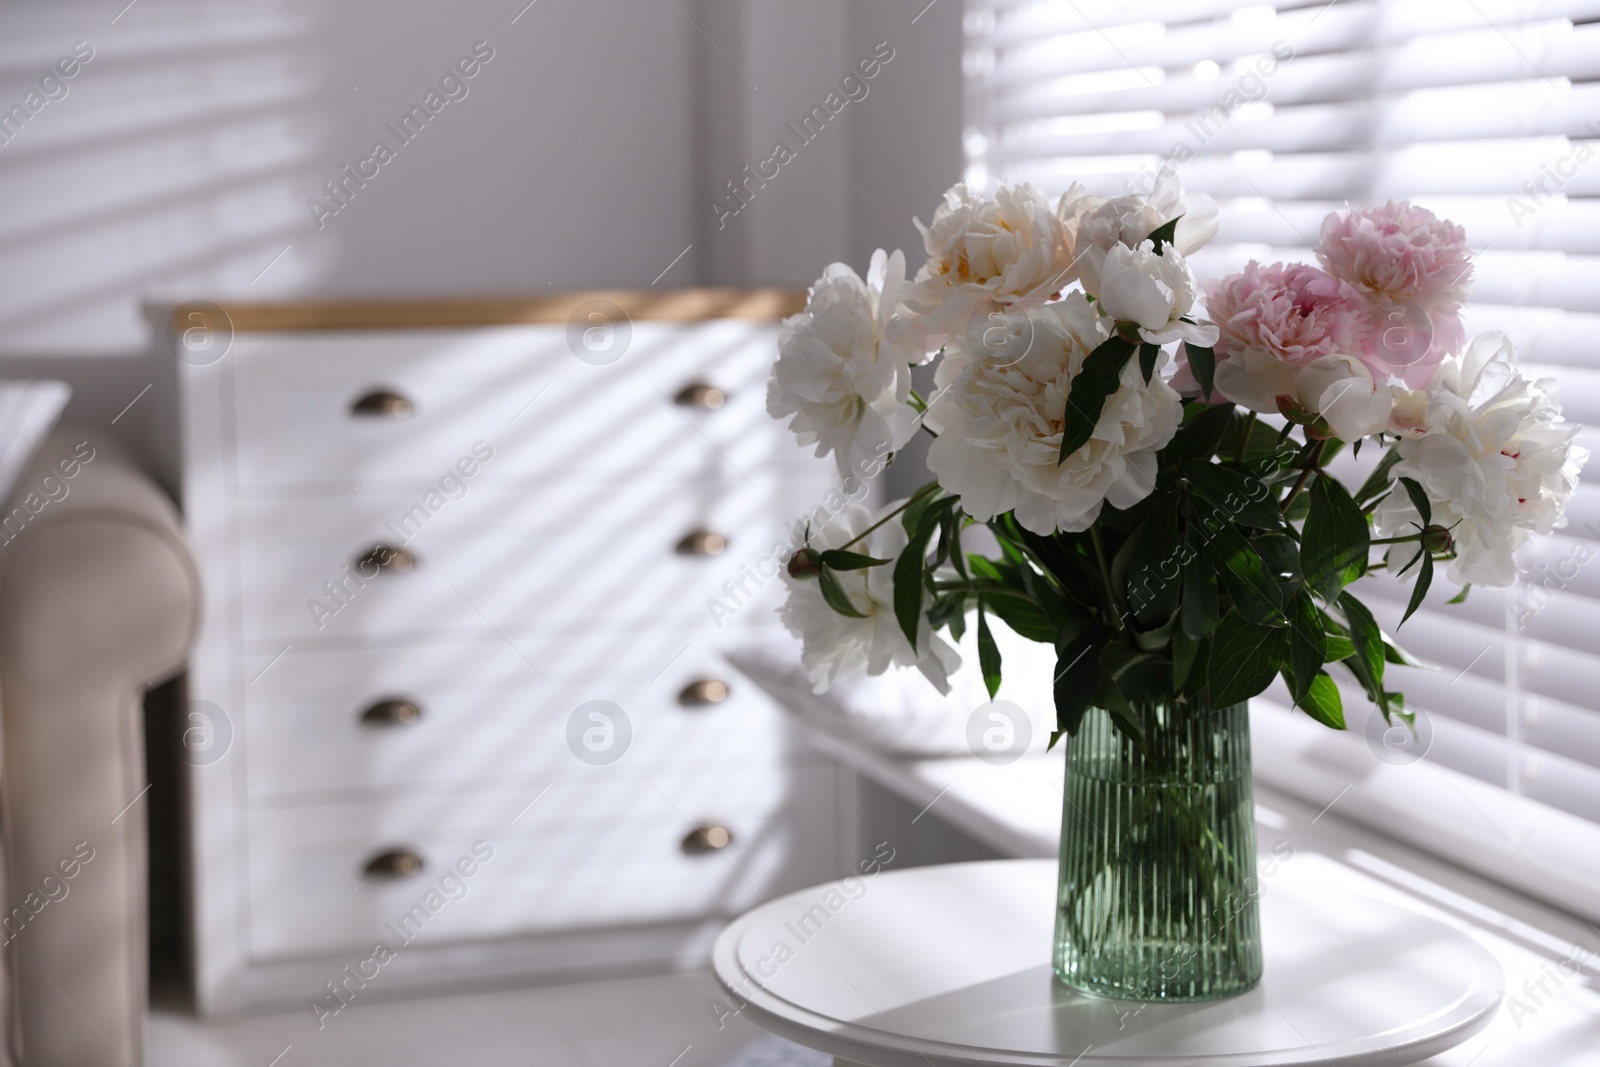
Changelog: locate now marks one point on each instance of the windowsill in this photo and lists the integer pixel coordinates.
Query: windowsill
(1016, 810)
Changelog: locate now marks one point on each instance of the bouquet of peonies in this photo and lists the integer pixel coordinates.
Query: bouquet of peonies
(1152, 480)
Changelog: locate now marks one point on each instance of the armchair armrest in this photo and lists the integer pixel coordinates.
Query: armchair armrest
(99, 600)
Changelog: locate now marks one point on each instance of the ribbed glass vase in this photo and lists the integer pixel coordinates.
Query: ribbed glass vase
(1158, 894)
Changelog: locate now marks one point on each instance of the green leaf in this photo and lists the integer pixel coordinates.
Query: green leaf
(836, 597)
(1244, 658)
(1254, 593)
(840, 560)
(1369, 658)
(1335, 541)
(1008, 546)
(1281, 554)
(1118, 664)
(1096, 381)
(1148, 354)
(1164, 234)
(1204, 426)
(988, 654)
(1184, 651)
(1234, 496)
(908, 590)
(1298, 508)
(958, 623)
(1203, 365)
(984, 567)
(1117, 660)
(949, 540)
(1365, 634)
(1077, 678)
(1419, 500)
(923, 499)
(1078, 578)
(1201, 609)
(1322, 702)
(947, 610)
(1152, 578)
(1461, 597)
(1338, 649)
(1420, 590)
(1025, 619)
(1377, 482)
(1265, 453)
(1308, 644)
(1393, 653)
(958, 558)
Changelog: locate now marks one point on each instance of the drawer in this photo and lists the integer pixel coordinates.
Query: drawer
(520, 390)
(462, 715)
(580, 856)
(494, 560)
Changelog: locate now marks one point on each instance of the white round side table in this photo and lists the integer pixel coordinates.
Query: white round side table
(940, 966)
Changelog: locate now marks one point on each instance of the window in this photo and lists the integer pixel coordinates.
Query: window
(1485, 111)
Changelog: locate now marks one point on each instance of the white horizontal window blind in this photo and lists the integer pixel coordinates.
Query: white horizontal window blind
(1484, 111)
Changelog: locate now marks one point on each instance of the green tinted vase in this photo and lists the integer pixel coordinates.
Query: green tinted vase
(1158, 897)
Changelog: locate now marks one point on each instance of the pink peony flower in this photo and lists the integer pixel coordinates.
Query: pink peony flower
(1297, 313)
(1404, 254)
(1291, 334)
(1414, 268)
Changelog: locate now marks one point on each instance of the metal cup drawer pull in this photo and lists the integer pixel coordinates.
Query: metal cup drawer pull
(703, 692)
(708, 838)
(391, 713)
(701, 543)
(383, 558)
(394, 863)
(701, 395)
(382, 404)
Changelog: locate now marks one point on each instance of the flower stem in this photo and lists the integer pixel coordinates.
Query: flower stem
(989, 589)
(1408, 539)
(929, 488)
(1244, 437)
(1313, 464)
(1105, 574)
(920, 406)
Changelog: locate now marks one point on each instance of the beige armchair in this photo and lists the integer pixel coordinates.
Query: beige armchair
(99, 600)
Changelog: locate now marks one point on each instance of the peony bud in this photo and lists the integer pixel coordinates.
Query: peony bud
(1292, 409)
(806, 563)
(1316, 426)
(1437, 539)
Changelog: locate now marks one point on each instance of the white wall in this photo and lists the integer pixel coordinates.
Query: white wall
(180, 160)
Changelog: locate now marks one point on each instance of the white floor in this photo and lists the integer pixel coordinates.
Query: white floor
(660, 1021)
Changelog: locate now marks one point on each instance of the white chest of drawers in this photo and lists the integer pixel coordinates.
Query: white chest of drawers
(428, 549)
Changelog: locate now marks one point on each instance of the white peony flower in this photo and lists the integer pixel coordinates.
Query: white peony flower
(1154, 290)
(1254, 378)
(1409, 415)
(1338, 387)
(835, 646)
(1341, 389)
(1000, 426)
(1098, 224)
(1492, 458)
(1009, 253)
(843, 366)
